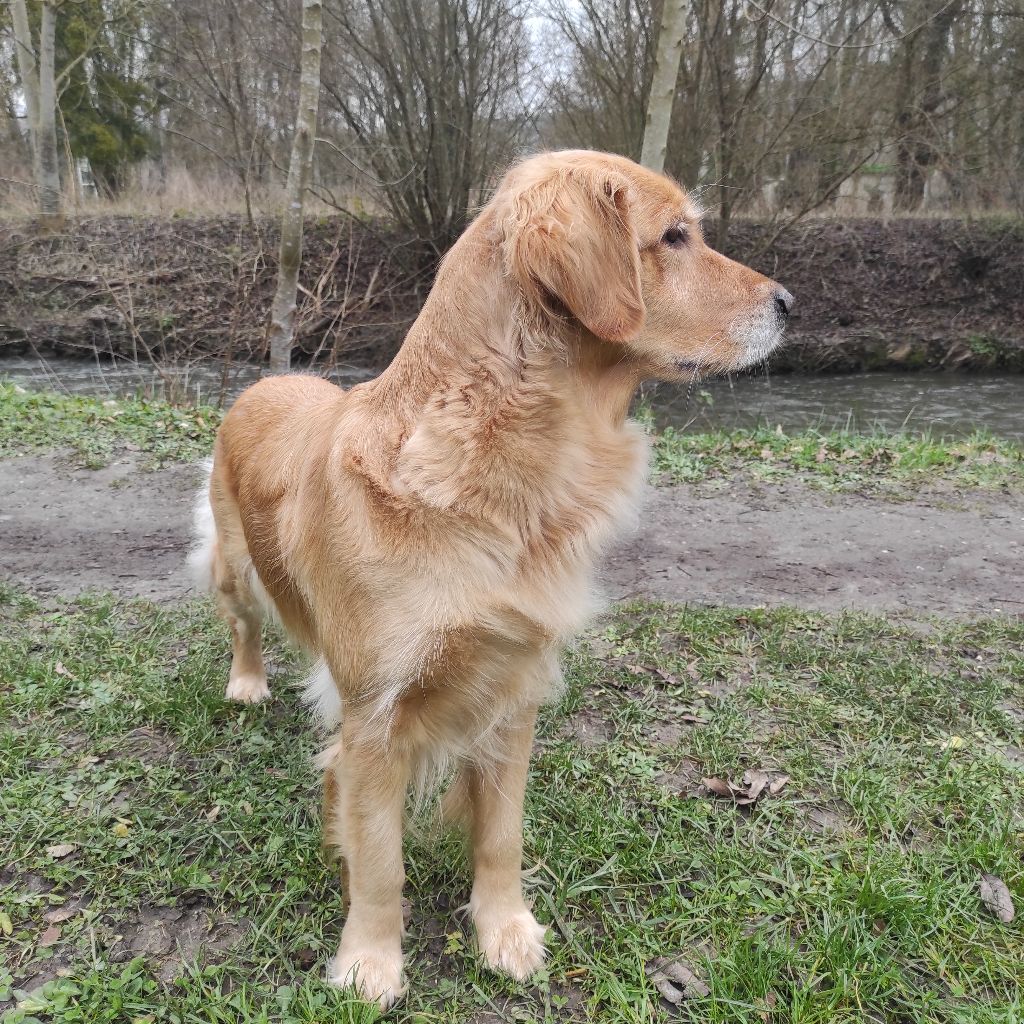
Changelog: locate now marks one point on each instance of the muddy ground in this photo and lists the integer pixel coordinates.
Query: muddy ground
(65, 530)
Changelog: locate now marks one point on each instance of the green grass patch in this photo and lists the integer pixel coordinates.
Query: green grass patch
(139, 812)
(98, 430)
(887, 463)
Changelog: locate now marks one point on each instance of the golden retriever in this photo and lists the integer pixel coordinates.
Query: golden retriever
(431, 535)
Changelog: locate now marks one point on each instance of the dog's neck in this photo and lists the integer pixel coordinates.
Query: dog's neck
(472, 333)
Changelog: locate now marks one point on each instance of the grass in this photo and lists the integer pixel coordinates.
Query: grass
(97, 430)
(893, 464)
(889, 464)
(849, 895)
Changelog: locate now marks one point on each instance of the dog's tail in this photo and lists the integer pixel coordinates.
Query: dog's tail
(204, 534)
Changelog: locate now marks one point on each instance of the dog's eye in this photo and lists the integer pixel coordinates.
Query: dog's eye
(674, 237)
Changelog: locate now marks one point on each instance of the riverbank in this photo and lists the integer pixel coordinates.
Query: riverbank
(871, 294)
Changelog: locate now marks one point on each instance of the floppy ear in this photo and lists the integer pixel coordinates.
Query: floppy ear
(570, 243)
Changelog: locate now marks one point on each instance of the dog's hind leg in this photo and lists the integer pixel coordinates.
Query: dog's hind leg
(247, 680)
(219, 551)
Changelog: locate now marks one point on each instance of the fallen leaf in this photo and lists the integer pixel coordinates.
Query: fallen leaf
(675, 980)
(49, 937)
(213, 813)
(59, 915)
(693, 719)
(121, 829)
(667, 676)
(755, 780)
(756, 783)
(62, 671)
(718, 786)
(60, 850)
(997, 898)
(5, 923)
(770, 1002)
(821, 455)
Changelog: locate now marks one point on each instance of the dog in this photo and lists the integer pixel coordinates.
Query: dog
(430, 536)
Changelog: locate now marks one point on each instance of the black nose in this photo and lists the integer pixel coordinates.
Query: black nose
(783, 302)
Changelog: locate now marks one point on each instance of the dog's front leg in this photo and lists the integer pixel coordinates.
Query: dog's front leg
(371, 782)
(509, 936)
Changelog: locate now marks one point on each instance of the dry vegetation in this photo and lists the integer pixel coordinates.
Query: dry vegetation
(903, 293)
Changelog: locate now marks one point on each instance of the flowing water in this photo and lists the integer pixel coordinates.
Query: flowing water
(944, 404)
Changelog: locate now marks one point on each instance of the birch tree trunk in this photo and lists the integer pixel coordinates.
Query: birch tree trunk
(26, 61)
(663, 84)
(49, 172)
(282, 312)
(38, 82)
(29, 73)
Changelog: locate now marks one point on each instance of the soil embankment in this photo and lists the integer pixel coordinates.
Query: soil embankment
(67, 530)
(871, 294)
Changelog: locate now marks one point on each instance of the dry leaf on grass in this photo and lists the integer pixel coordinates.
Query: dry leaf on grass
(59, 915)
(49, 937)
(997, 898)
(755, 780)
(755, 784)
(675, 980)
(718, 786)
(60, 850)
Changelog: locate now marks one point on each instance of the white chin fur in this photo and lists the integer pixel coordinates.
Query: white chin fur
(759, 339)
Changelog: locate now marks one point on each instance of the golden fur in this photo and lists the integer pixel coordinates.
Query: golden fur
(431, 535)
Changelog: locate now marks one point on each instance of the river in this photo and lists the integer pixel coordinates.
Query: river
(945, 403)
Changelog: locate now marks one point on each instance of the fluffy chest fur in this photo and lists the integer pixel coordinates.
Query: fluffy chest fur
(466, 545)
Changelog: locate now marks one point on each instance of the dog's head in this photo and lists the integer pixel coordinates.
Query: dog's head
(598, 240)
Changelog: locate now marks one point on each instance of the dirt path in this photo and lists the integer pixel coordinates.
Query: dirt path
(64, 530)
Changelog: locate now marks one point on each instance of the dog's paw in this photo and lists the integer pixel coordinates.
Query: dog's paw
(247, 689)
(511, 943)
(374, 974)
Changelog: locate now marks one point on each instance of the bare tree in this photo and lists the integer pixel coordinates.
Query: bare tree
(921, 92)
(282, 313)
(431, 97)
(663, 85)
(600, 100)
